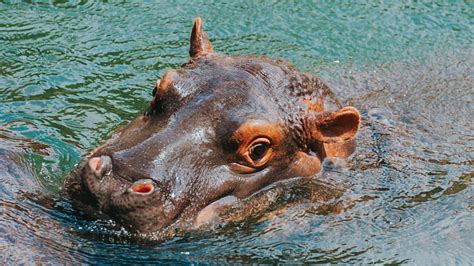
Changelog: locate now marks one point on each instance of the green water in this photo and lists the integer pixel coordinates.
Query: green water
(73, 71)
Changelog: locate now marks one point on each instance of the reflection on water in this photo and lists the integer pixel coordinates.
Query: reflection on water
(71, 72)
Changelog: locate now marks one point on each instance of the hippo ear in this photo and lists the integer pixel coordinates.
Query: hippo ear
(336, 126)
(199, 43)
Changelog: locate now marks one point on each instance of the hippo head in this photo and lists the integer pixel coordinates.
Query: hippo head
(218, 130)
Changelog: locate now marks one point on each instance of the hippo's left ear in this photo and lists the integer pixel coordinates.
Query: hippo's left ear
(199, 43)
(336, 126)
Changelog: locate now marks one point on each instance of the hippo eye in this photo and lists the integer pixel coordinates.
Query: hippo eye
(253, 145)
(259, 152)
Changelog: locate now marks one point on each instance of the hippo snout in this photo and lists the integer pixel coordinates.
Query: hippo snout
(99, 168)
(135, 202)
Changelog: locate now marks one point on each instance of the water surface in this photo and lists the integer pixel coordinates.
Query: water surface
(73, 71)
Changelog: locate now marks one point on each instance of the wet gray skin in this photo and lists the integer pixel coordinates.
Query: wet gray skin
(220, 133)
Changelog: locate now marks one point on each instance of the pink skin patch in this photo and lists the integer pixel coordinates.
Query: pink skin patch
(209, 216)
(94, 163)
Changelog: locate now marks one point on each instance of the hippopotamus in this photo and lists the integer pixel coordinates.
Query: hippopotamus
(221, 137)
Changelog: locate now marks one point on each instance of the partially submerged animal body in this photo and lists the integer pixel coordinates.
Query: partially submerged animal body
(224, 139)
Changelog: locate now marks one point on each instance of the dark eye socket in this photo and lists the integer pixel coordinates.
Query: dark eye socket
(258, 150)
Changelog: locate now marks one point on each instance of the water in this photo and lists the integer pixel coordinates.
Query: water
(72, 71)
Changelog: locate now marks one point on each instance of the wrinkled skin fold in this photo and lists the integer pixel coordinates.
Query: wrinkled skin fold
(223, 138)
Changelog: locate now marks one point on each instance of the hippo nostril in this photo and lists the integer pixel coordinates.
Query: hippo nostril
(142, 187)
(100, 165)
(94, 163)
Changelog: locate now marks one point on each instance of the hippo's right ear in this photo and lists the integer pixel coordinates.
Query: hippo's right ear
(199, 43)
(336, 126)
